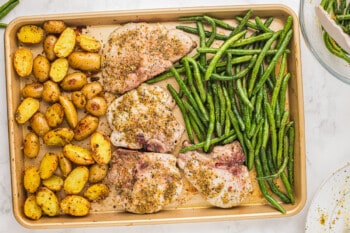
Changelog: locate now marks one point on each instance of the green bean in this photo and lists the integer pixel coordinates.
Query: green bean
(266, 132)
(290, 166)
(261, 25)
(7, 7)
(193, 30)
(242, 94)
(213, 30)
(183, 111)
(242, 24)
(341, 54)
(282, 94)
(248, 24)
(202, 42)
(237, 130)
(251, 153)
(253, 39)
(227, 124)
(234, 106)
(199, 134)
(273, 133)
(218, 22)
(273, 62)
(218, 125)
(288, 187)
(211, 122)
(164, 76)
(270, 161)
(220, 52)
(286, 28)
(194, 115)
(239, 51)
(229, 139)
(198, 78)
(281, 137)
(343, 17)
(3, 25)
(222, 104)
(278, 84)
(259, 61)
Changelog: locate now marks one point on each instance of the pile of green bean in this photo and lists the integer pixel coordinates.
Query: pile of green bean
(6, 8)
(340, 12)
(238, 93)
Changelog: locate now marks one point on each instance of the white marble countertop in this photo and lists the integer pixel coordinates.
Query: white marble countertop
(327, 111)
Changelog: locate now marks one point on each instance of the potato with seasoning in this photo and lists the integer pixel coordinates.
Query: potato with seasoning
(78, 154)
(31, 179)
(97, 172)
(23, 62)
(88, 43)
(51, 92)
(34, 90)
(41, 68)
(39, 124)
(48, 201)
(30, 34)
(58, 137)
(65, 43)
(92, 89)
(31, 145)
(54, 26)
(31, 209)
(64, 164)
(26, 109)
(48, 165)
(75, 205)
(96, 192)
(85, 61)
(96, 106)
(54, 115)
(78, 99)
(76, 180)
(70, 112)
(58, 69)
(85, 127)
(49, 44)
(54, 183)
(100, 148)
(74, 81)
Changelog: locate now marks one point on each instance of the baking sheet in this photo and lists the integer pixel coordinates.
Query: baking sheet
(191, 208)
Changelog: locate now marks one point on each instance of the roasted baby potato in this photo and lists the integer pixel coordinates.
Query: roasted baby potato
(48, 201)
(54, 26)
(48, 165)
(85, 61)
(96, 106)
(78, 99)
(97, 172)
(92, 89)
(85, 127)
(30, 34)
(41, 68)
(39, 124)
(74, 81)
(58, 137)
(54, 115)
(65, 164)
(31, 145)
(75, 205)
(78, 154)
(34, 90)
(31, 209)
(70, 112)
(51, 92)
(31, 179)
(23, 62)
(27, 108)
(58, 69)
(65, 43)
(49, 44)
(96, 192)
(54, 183)
(76, 180)
(88, 43)
(100, 148)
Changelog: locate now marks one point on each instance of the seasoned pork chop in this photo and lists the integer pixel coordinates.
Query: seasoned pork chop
(145, 182)
(220, 177)
(136, 52)
(142, 119)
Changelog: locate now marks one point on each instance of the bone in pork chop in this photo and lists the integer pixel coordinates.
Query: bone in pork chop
(145, 182)
(136, 52)
(220, 177)
(142, 119)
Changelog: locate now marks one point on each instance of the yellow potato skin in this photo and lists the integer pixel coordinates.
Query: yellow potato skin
(88, 43)
(101, 148)
(31, 179)
(39, 124)
(69, 111)
(54, 183)
(96, 192)
(30, 34)
(78, 99)
(85, 127)
(51, 92)
(54, 26)
(76, 180)
(65, 164)
(78, 154)
(48, 201)
(97, 172)
(34, 90)
(65, 43)
(54, 115)
(74, 81)
(58, 137)
(41, 68)
(27, 108)
(58, 69)
(92, 89)
(48, 165)
(23, 62)
(96, 106)
(85, 61)
(49, 44)
(75, 205)
(31, 209)
(31, 145)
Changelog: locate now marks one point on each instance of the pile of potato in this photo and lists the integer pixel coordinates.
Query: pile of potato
(58, 89)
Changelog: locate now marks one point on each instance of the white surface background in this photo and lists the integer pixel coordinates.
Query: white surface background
(327, 121)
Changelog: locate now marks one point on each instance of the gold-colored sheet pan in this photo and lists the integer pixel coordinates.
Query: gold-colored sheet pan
(100, 24)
